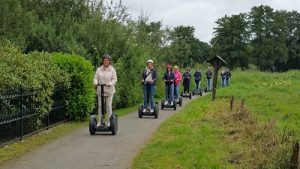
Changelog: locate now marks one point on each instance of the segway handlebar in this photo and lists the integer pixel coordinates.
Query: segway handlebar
(147, 82)
(102, 85)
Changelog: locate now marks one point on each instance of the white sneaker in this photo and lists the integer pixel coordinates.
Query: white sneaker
(166, 103)
(151, 110)
(171, 103)
(98, 124)
(144, 110)
(108, 123)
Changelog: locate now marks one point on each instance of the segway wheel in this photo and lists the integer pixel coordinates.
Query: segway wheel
(156, 111)
(140, 112)
(201, 93)
(114, 124)
(190, 95)
(180, 101)
(162, 104)
(174, 104)
(92, 124)
(193, 93)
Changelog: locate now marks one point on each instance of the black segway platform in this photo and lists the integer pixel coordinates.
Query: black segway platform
(186, 95)
(168, 105)
(113, 128)
(197, 92)
(148, 113)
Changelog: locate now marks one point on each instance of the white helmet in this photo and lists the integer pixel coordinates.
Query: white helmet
(150, 61)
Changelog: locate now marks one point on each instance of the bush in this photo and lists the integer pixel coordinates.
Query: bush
(35, 71)
(80, 96)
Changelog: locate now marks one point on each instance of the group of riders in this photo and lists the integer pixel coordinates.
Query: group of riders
(106, 74)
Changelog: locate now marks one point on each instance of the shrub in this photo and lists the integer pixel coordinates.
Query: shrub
(81, 94)
(35, 71)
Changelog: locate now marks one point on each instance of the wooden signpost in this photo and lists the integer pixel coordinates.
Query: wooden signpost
(217, 62)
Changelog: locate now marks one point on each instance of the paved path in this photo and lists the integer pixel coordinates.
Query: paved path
(80, 150)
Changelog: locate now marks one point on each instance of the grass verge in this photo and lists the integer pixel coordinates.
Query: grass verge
(208, 135)
(30, 143)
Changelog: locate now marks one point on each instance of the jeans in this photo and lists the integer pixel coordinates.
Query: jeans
(227, 81)
(198, 82)
(169, 90)
(108, 106)
(149, 89)
(223, 81)
(176, 91)
(209, 84)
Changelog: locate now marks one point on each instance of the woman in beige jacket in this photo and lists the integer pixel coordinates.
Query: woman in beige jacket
(106, 75)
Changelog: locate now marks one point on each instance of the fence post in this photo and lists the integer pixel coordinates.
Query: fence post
(231, 102)
(21, 111)
(48, 120)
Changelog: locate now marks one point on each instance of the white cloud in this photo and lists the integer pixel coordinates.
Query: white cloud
(201, 14)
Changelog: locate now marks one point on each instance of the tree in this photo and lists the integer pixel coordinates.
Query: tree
(231, 40)
(200, 51)
(293, 38)
(268, 37)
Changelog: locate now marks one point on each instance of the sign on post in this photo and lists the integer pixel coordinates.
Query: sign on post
(217, 62)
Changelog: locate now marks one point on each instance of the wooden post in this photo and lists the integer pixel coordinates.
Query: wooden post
(231, 103)
(215, 83)
(295, 157)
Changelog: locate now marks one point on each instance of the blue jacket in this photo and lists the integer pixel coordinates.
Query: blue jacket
(168, 77)
(186, 78)
(208, 74)
(197, 76)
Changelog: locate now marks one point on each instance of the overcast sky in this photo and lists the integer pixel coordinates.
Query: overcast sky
(201, 14)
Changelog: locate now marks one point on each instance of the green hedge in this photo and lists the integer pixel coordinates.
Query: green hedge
(80, 96)
(34, 71)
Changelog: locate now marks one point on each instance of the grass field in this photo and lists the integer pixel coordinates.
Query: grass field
(208, 134)
(30, 143)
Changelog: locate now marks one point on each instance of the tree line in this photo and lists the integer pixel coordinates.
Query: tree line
(263, 37)
(91, 28)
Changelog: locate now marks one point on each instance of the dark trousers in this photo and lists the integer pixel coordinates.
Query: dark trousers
(186, 87)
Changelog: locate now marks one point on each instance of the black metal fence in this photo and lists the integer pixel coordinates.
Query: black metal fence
(19, 117)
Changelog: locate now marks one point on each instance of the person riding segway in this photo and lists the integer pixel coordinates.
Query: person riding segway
(197, 76)
(209, 75)
(104, 81)
(186, 84)
(178, 78)
(169, 79)
(148, 79)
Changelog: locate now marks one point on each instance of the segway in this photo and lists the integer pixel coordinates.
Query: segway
(167, 103)
(197, 92)
(206, 90)
(148, 112)
(93, 128)
(186, 95)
